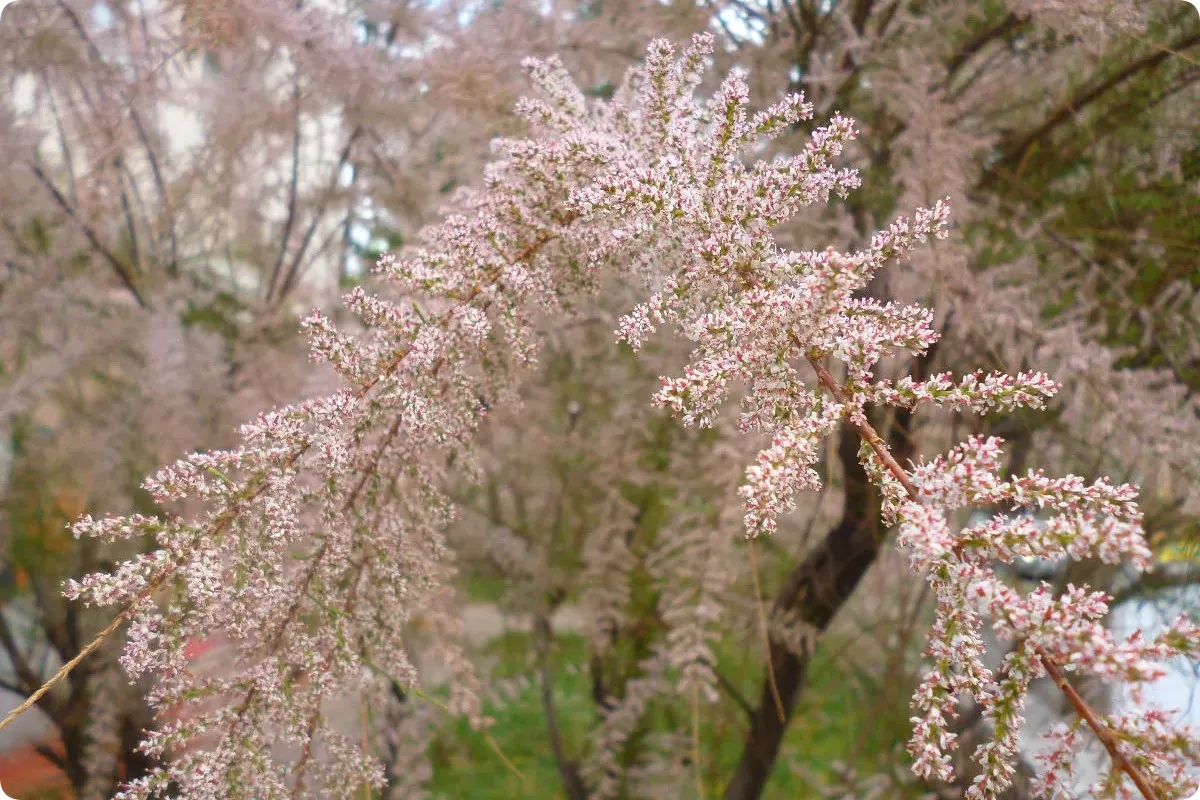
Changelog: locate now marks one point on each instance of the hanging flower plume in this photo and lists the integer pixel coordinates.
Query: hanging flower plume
(312, 543)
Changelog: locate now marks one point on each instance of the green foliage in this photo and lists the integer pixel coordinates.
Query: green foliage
(37, 233)
(486, 588)
(36, 505)
(604, 90)
(218, 315)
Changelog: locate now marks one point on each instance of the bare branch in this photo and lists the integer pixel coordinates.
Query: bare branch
(113, 261)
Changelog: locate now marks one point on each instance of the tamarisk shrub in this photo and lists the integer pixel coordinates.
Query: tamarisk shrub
(323, 531)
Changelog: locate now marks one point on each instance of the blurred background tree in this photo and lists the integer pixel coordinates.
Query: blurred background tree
(183, 179)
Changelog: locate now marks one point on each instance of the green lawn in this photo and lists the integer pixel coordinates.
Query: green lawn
(838, 719)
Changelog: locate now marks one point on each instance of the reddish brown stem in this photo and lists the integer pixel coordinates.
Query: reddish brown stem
(865, 430)
(1100, 729)
(1085, 711)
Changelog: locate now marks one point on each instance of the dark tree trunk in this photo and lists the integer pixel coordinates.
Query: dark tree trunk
(132, 763)
(816, 588)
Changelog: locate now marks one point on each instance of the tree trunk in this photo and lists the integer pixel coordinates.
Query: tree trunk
(816, 588)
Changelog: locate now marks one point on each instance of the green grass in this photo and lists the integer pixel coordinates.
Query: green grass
(837, 719)
(486, 589)
(464, 763)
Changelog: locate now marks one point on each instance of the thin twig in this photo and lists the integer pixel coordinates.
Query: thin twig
(765, 630)
(1100, 729)
(293, 191)
(66, 668)
(294, 269)
(496, 748)
(734, 694)
(696, 741)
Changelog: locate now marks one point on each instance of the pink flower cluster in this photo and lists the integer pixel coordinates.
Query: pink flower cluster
(1095, 520)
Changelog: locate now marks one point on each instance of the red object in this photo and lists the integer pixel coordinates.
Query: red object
(24, 772)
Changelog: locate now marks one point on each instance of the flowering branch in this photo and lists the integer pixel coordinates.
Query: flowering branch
(1081, 706)
(752, 310)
